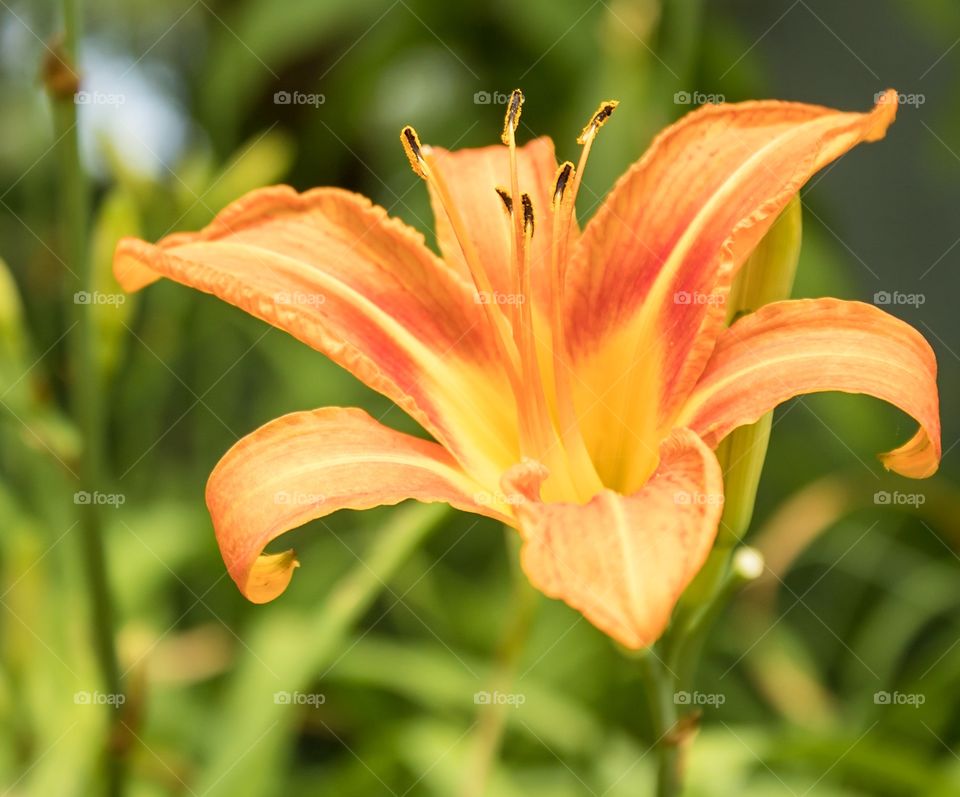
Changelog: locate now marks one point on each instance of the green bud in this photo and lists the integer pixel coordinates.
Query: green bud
(766, 277)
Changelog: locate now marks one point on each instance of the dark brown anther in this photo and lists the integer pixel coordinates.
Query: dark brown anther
(599, 118)
(507, 200)
(527, 214)
(564, 173)
(411, 145)
(512, 117)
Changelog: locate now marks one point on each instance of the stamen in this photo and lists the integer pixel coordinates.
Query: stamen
(586, 138)
(539, 434)
(598, 120)
(560, 183)
(512, 117)
(587, 479)
(411, 146)
(507, 200)
(527, 215)
(510, 121)
(499, 324)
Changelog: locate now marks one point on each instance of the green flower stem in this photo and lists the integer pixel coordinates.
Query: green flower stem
(661, 686)
(492, 717)
(732, 569)
(62, 81)
(669, 667)
(766, 277)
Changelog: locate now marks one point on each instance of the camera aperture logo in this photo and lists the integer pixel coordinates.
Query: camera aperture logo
(496, 297)
(499, 699)
(915, 699)
(96, 498)
(315, 699)
(916, 100)
(697, 98)
(85, 698)
(714, 699)
(896, 498)
(698, 297)
(882, 298)
(300, 298)
(299, 98)
(287, 498)
(687, 498)
(99, 298)
(490, 98)
(99, 98)
(484, 498)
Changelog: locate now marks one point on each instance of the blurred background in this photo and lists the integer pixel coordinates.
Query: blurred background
(836, 673)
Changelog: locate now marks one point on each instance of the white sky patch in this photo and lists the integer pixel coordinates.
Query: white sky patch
(127, 109)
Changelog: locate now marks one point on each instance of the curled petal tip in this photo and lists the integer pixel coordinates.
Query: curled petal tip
(918, 458)
(269, 576)
(884, 113)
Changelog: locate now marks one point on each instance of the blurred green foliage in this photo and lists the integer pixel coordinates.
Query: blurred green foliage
(862, 597)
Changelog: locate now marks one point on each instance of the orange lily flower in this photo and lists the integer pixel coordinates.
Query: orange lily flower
(575, 383)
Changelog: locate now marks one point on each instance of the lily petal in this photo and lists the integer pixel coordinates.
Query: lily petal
(623, 561)
(340, 275)
(307, 465)
(656, 261)
(789, 348)
(472, 177)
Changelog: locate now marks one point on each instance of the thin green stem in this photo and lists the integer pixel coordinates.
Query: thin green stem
(75, 195)
(669, 668)
(661, 690)
(492, 717)
(683, 642)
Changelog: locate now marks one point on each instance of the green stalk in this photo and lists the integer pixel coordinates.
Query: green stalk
(669, 667)
(766, 277)
(492, 717)
(661, 689)
(62, 81)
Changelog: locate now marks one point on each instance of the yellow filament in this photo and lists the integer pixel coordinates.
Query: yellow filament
(586, 479)
(481, 281)
(586, 138)
(541, 434)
